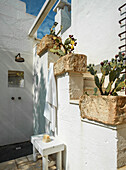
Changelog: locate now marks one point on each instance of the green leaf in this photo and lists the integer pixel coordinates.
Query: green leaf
(119, 80)
(95, 91)
(105, 70)
(66, 46)
(120, 54)
(61, 53)
(86, 93)
(108, 89)
(114, 94)
(69, 46)
(112, 76)
(120, 86)
(61, 27)
(53, 50)
(57, 40)
(54, 25)
(55, 47)
(97, 81)
(122, 78)
(102, 80)
(67, 41)
(118, 71)
(92, 71)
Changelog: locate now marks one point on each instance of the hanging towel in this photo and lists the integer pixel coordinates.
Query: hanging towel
(51, 99)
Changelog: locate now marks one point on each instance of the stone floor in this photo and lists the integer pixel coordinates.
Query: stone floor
(123, 168)
(27, 163)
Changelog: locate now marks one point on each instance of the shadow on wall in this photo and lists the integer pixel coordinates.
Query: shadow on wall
(16, 119)
(39, 103)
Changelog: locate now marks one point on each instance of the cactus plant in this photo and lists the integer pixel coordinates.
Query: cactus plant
(61, 48)
(52, 30)
(112, 69)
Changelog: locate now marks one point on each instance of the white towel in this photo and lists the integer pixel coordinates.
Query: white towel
(51, 99)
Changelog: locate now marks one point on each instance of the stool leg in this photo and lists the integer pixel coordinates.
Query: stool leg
(59, 161)
(34, 154)
(45, 162)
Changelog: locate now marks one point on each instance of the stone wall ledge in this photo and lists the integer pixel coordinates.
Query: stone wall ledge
(110, 110)
(71, 63)
(46, 43)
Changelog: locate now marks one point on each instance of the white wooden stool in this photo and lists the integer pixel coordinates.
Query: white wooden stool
(45, 149)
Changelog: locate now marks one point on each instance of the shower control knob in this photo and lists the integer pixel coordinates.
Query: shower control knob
(12, 98)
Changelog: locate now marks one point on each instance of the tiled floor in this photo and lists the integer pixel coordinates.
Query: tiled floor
(24, 163)
(27, 163)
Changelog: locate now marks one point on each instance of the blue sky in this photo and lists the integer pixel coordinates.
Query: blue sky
(33, 7)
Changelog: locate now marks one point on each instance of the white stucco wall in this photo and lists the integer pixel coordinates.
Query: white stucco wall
(95, 25)
(15, 116)
(40, 68)
(89, 145)
(40, 72)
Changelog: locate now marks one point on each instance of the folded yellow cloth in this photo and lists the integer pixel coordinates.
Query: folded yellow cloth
(46, 138)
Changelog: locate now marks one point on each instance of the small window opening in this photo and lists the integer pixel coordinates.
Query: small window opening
(15, 78)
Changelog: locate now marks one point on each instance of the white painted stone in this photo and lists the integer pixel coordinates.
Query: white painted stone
(121, 146)
(95, 25)
(40, 72)
(63, 16)
(15, 116)
(89, 145)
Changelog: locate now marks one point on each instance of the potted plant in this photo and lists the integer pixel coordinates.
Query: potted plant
(65, 48)
(108, 107)
(68, 62)
(48, 40)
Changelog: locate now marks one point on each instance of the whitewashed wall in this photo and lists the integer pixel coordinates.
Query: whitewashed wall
(40, 72)
(95, 25)
(15, 116)
(89, 145)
